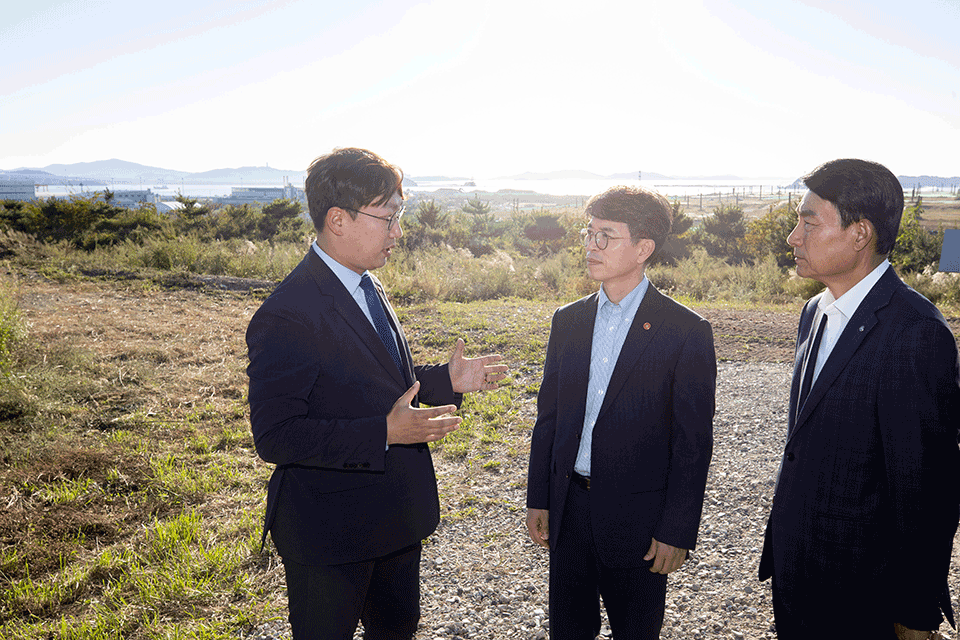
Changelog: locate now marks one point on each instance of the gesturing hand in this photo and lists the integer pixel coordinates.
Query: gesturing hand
(407, 424)
(474, 374)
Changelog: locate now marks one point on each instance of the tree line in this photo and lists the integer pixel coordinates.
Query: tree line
(89, 222)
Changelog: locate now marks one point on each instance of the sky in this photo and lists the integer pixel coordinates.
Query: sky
(485, 88)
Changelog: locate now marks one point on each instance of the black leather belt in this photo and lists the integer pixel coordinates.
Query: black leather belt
(582, 481)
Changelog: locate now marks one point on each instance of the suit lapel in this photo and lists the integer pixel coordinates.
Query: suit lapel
(863, 321)
(344, 304)
(804, 337)
(575, 365)
(646, 324)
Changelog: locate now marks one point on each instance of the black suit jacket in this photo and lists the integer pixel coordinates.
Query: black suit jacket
(653, 438)
(321, 386)
(868, 494)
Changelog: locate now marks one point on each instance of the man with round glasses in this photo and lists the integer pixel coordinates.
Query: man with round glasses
(624, 432)
(334, 404)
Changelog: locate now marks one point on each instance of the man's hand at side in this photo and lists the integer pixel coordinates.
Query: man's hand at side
(903, 633)
(407, 424)
(666, 559)
(538, 525)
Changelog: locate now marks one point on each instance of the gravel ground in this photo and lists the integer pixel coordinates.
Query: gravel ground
(483, 578)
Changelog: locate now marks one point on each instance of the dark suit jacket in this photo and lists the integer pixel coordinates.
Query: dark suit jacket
(867, 499)
(654, 435)
(321, 386)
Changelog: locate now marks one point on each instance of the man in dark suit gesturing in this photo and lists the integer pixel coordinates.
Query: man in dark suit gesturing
(624, 432)
(866, 504)
(334, 403)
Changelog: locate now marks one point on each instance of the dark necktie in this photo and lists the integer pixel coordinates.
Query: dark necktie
(380, 319)
(811, 364)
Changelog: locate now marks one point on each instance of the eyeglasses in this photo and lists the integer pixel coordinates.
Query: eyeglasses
(601, 238)
(394, 218)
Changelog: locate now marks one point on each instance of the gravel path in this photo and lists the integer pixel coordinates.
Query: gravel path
(484, 579)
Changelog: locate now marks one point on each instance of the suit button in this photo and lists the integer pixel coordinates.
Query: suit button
(790, 457)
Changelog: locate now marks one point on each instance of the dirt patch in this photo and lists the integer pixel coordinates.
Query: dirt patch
(46, 532)
(752, 336)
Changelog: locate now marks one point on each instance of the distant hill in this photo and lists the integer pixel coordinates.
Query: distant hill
(38, 176)
(123, 172)
(646, 175)
(439, 178)
(106, 172)
(572, 174)
(909, 182)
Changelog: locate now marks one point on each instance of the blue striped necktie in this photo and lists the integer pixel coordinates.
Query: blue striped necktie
(380, 319)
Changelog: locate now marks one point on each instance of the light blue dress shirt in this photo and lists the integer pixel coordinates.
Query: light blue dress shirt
(609, 333)
(351, 281)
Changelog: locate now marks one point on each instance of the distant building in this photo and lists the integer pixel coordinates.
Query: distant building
(263, 195)
(133, 198)
(121, 197)
(169, 207)
(17, 191)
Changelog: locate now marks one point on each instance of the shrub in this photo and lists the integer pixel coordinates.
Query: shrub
(721, 233)
(677, 245)
(916, 248)
(703, 277)
(767, 235)
(936, 286)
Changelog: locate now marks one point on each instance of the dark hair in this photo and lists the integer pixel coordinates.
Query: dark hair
(646, 213)
(861, 189)
(350, 178)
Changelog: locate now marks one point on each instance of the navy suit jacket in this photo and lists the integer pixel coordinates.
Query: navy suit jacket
(653, 438)
(321, 386)
(868, 494)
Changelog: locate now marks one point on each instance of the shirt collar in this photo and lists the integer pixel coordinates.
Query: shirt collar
(349, 277)
(631, 301)
(848, 303)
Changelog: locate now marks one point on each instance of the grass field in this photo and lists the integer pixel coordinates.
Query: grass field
(132, 494)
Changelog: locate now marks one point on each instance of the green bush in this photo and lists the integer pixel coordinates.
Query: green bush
(677, 245)
(703, 277)
(722, 233)
(938, 287)
(916, 248)
(767, 235)
(455, 275)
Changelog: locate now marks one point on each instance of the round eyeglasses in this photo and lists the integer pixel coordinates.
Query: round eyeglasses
(600, 238)
(395, 218)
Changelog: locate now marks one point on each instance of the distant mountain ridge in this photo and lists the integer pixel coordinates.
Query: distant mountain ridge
(114, 171)
(574, 174)
(123, 172)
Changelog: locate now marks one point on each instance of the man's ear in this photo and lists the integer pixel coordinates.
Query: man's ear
(334, 221)
(647, 246)
(866, 235)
